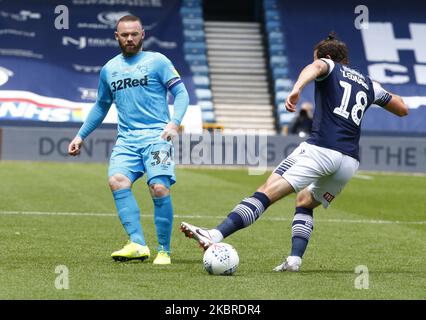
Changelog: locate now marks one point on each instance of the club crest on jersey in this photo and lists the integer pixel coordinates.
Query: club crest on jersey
(142, 69)
(128, 83)
(328, 197)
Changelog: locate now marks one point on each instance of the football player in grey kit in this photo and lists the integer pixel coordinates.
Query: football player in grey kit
(320, 167)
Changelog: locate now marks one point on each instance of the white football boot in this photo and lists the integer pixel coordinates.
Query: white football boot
(200, 235)
(292, 263)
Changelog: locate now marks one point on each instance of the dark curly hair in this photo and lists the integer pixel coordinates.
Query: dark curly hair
(336, 49)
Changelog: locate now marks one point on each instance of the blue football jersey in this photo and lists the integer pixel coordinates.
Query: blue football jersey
(342, 97)
(138, 85)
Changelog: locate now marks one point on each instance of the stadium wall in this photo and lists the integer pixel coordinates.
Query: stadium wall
(398, 154)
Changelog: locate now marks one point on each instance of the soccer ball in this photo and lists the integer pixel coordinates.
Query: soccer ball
(221, 259)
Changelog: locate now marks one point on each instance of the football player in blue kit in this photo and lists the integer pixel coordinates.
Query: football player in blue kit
(320, 167)
(137, 82)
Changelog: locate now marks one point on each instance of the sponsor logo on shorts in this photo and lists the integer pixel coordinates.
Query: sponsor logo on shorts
(328, 197)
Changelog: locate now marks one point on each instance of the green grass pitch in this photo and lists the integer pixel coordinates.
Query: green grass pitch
(54, 214)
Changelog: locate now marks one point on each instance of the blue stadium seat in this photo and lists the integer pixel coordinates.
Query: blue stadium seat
(270, 5)
(277, 49)
(281, 107)
(278, 61)
(283, 84)
(201, 82)
(268, 2)
(286, 118)
(281, 96)
(208, 116)
(272, 15)
(195, 55)
(194, 35)
(206, 106)
(191, 12)
(200, 70)
(193, 23)
(203, 94)
(278, 73)
(196, 58)
(273, 26)
(194, 47)
(276, 37)
(192, 3)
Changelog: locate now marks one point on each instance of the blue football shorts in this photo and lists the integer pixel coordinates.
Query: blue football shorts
(137, 154)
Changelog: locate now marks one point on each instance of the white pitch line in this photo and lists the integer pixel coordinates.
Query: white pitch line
(103, 214)
(363, 177)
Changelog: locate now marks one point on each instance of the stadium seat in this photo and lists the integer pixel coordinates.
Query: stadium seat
(286, 118)
(280, 72)
(278, 61)
(196, 58)
(192, 3)
(195, 55)
(276, 37)
(194, 35)
(191, 12)
(277, 49)
(208, 116)
(199, 70)
(206, 106)
(283, 84)
(203, 94)
(201, 82)
(281, 107)
(281, 96)
(193, 23)
(273, 26)
(270, 5)
(194, 47)
(272, 14)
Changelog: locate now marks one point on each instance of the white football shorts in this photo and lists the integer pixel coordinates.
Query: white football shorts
(324, 171)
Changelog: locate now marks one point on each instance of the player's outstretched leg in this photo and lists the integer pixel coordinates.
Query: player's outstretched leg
(201, 235)
(243, 215)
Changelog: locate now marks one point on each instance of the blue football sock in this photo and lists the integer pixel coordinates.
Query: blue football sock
(244, 214)
(301, 230)
(129, 213)
(163, 219)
